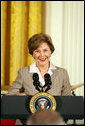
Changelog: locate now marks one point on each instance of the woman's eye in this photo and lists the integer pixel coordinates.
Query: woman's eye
(45, 50)
(37, 51)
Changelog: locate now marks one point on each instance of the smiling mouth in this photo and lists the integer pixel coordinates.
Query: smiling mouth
(42, 60)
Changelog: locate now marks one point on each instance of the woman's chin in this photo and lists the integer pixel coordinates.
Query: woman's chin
(43, 63)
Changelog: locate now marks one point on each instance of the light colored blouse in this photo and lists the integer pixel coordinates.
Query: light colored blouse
(34, 69)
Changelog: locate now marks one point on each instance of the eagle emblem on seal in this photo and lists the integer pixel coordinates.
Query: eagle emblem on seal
(43, 103)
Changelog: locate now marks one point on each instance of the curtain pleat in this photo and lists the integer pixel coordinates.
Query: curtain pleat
(3, 40)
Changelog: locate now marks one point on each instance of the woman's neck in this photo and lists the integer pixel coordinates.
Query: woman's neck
(43, 68)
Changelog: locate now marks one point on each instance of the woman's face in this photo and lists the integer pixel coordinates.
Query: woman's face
(42, 54)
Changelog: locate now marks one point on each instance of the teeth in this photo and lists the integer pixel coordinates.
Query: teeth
(42, 59)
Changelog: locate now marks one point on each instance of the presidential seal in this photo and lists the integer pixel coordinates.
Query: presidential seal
(42, 100)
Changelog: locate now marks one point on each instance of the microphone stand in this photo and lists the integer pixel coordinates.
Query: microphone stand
(48, 87)
(42, 90)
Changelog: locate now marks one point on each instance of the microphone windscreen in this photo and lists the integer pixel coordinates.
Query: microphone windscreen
(47, 77)
(35, 76)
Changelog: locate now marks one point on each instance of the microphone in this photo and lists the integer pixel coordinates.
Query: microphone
(35, 77)
(36, 82)
(47, 81)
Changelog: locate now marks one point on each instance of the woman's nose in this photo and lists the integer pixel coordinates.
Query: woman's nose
(42, 54)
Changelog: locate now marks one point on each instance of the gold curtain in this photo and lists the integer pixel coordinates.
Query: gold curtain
(34, 24)
(19, 21)
(3, 40)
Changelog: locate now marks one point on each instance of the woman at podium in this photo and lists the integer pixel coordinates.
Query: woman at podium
(42, 75)
(41, 48)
